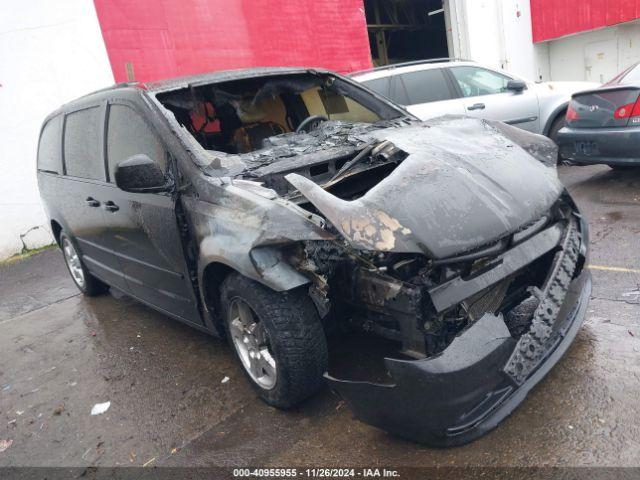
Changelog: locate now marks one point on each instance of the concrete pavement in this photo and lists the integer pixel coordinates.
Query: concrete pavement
(61, 353)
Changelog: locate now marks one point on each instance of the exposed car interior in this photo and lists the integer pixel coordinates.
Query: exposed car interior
(236, 117)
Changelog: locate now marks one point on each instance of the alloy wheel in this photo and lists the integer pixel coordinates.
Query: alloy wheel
(251, 341)
(73, 262)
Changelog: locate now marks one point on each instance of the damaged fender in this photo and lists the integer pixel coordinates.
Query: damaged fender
(247, 228)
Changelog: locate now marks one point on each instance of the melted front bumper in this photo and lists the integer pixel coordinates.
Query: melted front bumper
(484, 374)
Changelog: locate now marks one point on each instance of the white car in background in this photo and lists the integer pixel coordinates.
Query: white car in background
(431, 88)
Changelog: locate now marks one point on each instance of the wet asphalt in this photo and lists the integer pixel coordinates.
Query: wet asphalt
(61, 353)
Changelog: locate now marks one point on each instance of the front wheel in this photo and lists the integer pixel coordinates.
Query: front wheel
(278, 338)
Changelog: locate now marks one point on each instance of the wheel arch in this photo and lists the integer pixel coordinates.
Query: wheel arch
(281, 277)
(559, 110)
(56, 230)
(212, 277)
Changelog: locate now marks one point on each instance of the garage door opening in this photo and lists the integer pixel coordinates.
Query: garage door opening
(406, 30)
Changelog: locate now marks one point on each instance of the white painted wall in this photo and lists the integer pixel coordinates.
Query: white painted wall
(496, 33)
(50, 53)
(597, 55)
(519, 53)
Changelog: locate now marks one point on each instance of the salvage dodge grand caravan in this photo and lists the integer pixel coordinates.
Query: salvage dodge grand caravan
(270, 206)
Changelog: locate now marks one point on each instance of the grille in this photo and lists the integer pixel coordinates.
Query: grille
(486, 301)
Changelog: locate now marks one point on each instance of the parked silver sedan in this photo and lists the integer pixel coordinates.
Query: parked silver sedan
(432, 88)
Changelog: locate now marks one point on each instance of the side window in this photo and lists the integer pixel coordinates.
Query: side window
(82, 141)
(398, 92)
(425, 86)
(50, 147)
(476, 81)
(379, 85)
(128, 134)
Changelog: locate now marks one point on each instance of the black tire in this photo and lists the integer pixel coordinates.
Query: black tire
(295, 335)
(557, 124)
(91, 286)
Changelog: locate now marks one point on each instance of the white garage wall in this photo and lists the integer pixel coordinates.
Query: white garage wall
(595, 55)
(519, 53)
(496, 33)
(50, 53)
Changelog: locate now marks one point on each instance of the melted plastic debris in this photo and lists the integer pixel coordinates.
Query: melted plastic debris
(331, 134)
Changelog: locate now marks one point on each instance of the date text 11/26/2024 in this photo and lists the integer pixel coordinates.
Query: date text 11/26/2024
(316, 472)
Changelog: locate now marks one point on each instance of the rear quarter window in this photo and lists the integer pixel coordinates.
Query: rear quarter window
(50, 146)
(82, 144)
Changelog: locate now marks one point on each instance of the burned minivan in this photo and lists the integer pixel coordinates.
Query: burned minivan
(281, 207)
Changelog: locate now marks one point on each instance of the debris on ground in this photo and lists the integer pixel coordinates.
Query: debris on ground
(12, 422)
(225, 380)
(93, 334)
(19, 412)
(84, 455)
(59, 409)
(100, 408)
(149, 462)
(631, 333)
(4, 444)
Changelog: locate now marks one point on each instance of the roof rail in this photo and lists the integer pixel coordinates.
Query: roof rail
(409, 64)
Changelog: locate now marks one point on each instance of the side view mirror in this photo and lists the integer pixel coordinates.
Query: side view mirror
(516, 85)
(140, 174)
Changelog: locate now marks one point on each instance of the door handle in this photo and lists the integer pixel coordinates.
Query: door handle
(92, 202)
(111, 207)
(476, 106)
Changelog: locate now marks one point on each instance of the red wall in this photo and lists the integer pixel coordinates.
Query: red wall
(168, 38)
(555, 18)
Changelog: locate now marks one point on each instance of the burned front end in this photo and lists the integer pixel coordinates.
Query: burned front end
(452, 240)
(475, 332)
(477, 275)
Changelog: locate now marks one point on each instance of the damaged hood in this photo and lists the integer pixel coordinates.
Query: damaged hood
(465, 183)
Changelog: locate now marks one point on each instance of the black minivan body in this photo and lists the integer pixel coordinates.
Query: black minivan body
(271, 206)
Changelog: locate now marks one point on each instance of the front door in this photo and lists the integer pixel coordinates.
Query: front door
(144, 230)
(485, 95)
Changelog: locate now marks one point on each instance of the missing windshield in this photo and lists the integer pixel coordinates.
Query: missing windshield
(237, 117)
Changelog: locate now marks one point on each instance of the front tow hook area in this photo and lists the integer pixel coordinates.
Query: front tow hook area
(459, 395)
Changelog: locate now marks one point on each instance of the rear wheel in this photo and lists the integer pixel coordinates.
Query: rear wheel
(86, 283)
(277, 337)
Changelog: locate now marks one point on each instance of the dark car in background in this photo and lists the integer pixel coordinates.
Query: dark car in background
(272, 206)
(603, 125)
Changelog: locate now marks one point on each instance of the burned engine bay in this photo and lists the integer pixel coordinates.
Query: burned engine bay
(452, 238)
